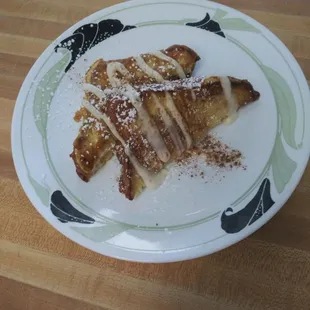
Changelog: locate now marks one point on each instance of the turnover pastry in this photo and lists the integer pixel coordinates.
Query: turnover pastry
(95, 145)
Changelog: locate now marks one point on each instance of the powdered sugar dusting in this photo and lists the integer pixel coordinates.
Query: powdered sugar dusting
(189, 83)
(126, 117)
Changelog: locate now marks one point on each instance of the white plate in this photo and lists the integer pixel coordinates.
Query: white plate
(184, 218)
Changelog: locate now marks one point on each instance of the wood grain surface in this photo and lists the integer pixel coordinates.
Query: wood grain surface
(41, 269)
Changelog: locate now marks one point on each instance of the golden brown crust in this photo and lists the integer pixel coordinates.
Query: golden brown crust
(130, 183)
(125, 180)
(185, 56)
(93, 147)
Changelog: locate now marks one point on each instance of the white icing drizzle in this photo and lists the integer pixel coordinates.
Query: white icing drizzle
(95, 90)
(193, 95)
(169, 125)
(112, 69)
(148, 128)
(172, 61)
(178, 118)
(231, 100)
(150, 180)
(103, 95)
(148, 70)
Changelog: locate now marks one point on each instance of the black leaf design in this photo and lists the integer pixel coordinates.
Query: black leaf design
(87, 36)
(208, 24)
(260, 204)
(65, 212)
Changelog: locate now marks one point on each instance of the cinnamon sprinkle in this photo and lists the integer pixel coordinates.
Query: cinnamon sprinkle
(214, 153)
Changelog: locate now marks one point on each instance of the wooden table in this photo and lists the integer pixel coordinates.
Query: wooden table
(41, 269)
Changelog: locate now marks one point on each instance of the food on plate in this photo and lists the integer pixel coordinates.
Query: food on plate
(94, 145)
(152, 125)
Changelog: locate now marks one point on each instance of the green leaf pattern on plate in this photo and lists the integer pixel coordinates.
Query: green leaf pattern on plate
(285, 105)
(41, 103)
(45, 92)
(101, 233)
(233, 23)
(282, 165)
(41, 191)
(219, 15)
